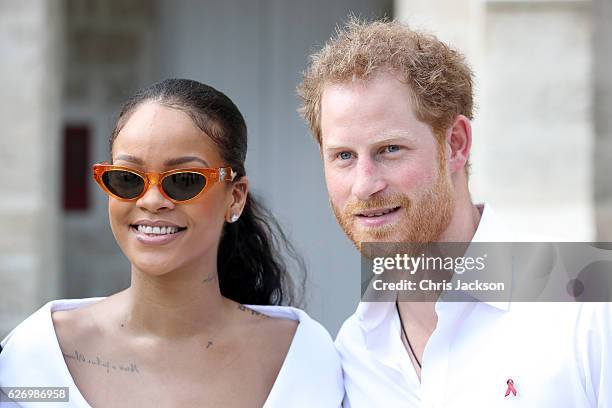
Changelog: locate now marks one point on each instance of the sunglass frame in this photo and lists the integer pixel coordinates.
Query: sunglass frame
(211, 175)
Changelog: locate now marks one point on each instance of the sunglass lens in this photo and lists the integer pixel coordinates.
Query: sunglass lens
(183, 186)
(123, 184)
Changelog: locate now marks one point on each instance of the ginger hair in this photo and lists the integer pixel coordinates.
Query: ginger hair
(438, 76)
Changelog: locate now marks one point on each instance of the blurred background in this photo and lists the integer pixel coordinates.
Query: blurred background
(542, 154)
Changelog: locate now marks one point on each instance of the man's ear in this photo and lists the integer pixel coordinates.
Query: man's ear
(240, 191)
(459, 140)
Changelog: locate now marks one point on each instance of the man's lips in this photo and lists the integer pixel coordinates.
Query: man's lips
(377, 212)
(377, 217)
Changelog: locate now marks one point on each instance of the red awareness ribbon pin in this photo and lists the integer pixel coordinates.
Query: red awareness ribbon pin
(511, 388)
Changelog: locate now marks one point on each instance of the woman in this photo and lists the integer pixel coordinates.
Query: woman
(200, 251)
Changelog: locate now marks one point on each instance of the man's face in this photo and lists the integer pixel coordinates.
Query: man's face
(385, 171)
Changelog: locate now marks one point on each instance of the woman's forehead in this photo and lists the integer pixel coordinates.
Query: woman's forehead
(150, 119)
(155, 131)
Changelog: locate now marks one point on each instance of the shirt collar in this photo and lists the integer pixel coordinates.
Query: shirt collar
(489, 229)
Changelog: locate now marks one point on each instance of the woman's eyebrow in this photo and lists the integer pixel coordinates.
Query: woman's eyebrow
(129, 158)
(185, 159)
(172, 162)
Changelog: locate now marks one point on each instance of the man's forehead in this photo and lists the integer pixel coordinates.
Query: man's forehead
(366, 99)
(370, 112)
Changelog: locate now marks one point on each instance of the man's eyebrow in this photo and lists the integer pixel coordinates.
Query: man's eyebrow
(390, 138)
(396, 139)
(334, 147)
(172, 162)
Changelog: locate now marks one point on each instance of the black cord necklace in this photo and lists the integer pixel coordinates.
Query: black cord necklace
(406, 336)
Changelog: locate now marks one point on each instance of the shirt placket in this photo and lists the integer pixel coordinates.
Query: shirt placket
(434, 373)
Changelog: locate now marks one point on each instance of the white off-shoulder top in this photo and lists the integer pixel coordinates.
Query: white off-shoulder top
(311, 375)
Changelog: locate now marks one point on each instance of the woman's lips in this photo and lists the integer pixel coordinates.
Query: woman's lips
(156, 239)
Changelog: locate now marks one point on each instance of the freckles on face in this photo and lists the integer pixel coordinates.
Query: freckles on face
(156, 138)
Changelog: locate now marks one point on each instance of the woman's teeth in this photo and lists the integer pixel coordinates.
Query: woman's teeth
(157, 230)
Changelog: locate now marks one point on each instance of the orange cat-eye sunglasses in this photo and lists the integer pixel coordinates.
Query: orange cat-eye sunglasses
(178, 186)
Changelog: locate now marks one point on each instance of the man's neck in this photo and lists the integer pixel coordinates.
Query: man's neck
(463, 224)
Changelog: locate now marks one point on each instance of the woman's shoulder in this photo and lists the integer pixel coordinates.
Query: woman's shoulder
(311, 341)
(306, 325)
(31, 354)
(311, 372)
(32, 329)
(39, 325)
(75, 314)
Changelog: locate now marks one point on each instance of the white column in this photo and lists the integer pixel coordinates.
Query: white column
(533, 133)
(30, 79)
(602, 66)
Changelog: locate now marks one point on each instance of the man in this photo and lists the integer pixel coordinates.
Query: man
(391, 109)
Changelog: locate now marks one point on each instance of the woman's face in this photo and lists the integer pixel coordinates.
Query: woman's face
(157, 139)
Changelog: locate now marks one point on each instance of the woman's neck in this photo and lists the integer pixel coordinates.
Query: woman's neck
(177, 304)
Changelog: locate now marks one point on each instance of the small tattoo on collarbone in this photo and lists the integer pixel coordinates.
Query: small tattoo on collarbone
(253, 312)
(105, 364)
(210, 343)
(209, 278)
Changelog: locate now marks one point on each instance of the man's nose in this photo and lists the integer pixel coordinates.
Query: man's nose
(368, 179)
(154, 201)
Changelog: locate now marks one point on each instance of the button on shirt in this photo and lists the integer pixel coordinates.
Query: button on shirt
(555, 354)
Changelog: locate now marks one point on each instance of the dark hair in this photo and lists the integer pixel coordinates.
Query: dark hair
(250, 262)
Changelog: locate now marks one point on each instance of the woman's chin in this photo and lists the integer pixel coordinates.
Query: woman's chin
(152, 266)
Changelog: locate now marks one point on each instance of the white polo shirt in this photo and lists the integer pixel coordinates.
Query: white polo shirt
(557, 354)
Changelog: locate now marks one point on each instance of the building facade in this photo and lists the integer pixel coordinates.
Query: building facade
(542, 135)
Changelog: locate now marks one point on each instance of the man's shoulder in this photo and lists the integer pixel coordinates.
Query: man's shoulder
(350, 332)
(352, 339)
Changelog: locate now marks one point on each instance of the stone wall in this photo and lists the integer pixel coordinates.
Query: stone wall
(109, 50)
(110, 54)
(602, 114)
(534, 132)
(544, 96)
(30, 79)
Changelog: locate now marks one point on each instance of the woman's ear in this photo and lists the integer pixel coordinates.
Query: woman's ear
(239, 193)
